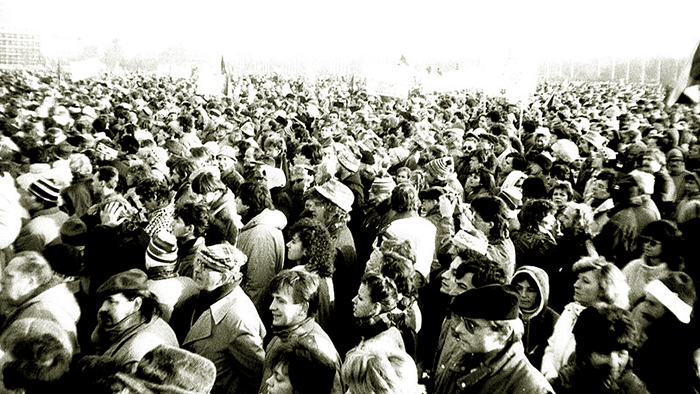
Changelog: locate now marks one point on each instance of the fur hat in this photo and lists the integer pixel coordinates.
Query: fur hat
(40, 360)
(133, 279)
(162, 250)
(337, 193)
(171, 370)
(491, 302)
(441, 168)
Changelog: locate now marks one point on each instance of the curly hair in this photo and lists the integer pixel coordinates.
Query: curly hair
(492, 209)
(404, 198)
(153, 189)
(319, 256)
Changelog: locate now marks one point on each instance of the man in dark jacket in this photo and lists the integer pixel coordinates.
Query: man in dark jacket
(532, 285)
(490, 332)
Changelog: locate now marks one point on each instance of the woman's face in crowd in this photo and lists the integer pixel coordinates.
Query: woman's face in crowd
(403, 177)
(528, 294)
(600, 190)
(550, 222)
(278, 382)
(560, 197)
(295, 250)
(362, 305)
(473, 180)
(587, 288)
(652, 247)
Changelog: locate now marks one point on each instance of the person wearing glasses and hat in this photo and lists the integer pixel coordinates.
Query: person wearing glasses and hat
(490, 332)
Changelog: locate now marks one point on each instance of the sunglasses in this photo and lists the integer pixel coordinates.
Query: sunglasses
(650, 241)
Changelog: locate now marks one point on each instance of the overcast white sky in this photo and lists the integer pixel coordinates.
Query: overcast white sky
(440, 29)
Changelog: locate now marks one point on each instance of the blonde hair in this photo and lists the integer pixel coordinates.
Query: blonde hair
(613, 286)
(369, 369)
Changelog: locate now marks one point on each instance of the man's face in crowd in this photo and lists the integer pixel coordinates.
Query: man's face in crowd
(609, 366)
(675, 165)
(206, 278)
(477, 335)
(650, 164)
(648, 311)
(286, 313)
(315, 209)
(600, 189)
(17, 285)
(426, 206)
(453, 286)
(225, 163)
(179, 229)
(116, 308)
(98, 186)
(30, 202)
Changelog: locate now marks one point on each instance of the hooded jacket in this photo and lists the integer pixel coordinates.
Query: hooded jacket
(539, 322)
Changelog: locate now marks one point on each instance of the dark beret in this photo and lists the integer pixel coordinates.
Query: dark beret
(492, 302)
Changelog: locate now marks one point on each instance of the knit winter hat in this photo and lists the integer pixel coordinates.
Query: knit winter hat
(441, 168)
(171, 370)
(45, 189)
(162, 250)
(383, 185)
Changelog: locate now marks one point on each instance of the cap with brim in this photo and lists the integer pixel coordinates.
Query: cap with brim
(337, 193)
(131, 280)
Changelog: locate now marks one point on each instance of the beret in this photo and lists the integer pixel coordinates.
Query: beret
(492, 302)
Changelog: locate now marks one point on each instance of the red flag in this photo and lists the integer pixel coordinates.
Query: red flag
(689, 77)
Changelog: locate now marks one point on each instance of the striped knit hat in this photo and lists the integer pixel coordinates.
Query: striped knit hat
(441, 168)
(162, 250)
(45, 189)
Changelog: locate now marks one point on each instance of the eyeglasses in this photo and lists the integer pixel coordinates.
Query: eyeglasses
(652, 242)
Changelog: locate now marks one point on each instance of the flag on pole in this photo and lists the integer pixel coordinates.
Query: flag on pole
(688, 78)
(223, 66)
(403, 60)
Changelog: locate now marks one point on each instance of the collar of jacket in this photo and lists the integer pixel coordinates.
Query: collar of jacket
(296, 330)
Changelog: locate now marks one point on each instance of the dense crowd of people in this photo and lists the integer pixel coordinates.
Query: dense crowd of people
(308, 237)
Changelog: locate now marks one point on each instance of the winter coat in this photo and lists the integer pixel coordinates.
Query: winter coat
(172, 291)
(262, 241)
(561, 344)
(133, 346)
(317, 341)
(77, 198)
(536, 248)
(508, 372)
(44, 227)
(539, 323)
(230, 334)
(572, 380)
